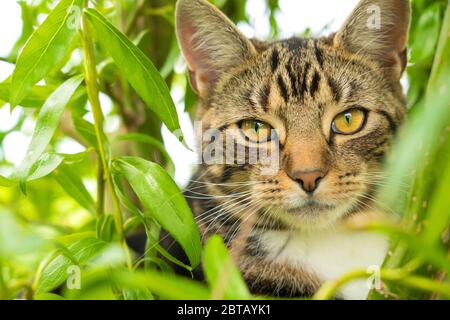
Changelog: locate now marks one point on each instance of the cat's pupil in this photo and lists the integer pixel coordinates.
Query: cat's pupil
(348, 118)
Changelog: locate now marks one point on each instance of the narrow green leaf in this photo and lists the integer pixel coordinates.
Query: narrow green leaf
(56, 270)
(46, 124)
(221, 273)
(48, 296)
(137, 294)
(172, 57)
(5, 182)
(18, 238)
(45, 48)
(105, 227)
(164, 201)
(165, 285)
(73, 158)
(127, 203)
(71, 182)
(44, 166)
(171, 258)
(137, 68)
(35, 97)
(86, 130)
(151, 262)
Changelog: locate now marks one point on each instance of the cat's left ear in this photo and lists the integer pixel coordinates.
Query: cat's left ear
(378, 29)
(210, 42)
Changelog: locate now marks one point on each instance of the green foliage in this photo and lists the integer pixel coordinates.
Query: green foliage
(79, 208)
(36, 59)
(221, 273)
(137, 68)
(46, 124)
(161, 197)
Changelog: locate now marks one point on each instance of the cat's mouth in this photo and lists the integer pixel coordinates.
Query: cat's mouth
(311, 214)
(311, 206)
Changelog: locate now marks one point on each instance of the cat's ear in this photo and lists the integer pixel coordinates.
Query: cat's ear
(379, 30)
(210, 42)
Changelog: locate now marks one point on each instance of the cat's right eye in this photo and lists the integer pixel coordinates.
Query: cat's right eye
(256, 131)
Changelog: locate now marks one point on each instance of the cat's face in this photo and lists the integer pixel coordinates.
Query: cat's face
(334, 104)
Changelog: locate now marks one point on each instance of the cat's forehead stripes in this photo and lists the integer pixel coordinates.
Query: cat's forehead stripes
(296, 74)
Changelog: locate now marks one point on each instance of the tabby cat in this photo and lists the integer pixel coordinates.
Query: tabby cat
(335, 104)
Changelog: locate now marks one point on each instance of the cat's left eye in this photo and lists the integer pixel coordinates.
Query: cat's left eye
(256, 131)
(349, 122)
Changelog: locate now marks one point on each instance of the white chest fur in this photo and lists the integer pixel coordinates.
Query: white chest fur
(329, 254)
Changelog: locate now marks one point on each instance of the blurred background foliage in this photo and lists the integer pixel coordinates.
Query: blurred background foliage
(92, 176)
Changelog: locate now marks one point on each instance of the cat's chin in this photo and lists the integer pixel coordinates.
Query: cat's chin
(312, 215)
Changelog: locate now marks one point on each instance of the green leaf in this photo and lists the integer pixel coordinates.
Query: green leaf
(136, 294)
(190, 99)
(86, 130)
(164, 201)
(72, 184)
(45, 48)
(46, 124)
(221, 273)
(73, 158)
(48, 296)
(17, 238)
(95, 285)
(172, 57)
(124, 200)
(44, 166)
(137, 68)
(5, 182)
(105, 227)
(171, 258)
(427, 34)
(167, 286)
(35, 97)
(56, 271)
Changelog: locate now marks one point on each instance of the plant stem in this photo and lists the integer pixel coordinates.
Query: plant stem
(92, 91)
(401, 276)
(329, 289)
(100, 189)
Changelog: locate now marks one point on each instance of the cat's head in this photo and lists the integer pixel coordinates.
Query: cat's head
(335, 103)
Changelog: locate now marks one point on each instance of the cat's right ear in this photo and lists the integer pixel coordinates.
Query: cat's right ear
(210, 42)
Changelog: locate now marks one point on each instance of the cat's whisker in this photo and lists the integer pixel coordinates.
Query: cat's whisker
(218, 208)
(247, 208)
(239, 208)
(373, 200)
(224, 207)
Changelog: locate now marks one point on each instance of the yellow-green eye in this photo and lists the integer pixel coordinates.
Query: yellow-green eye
(256, 131)
(349, 122)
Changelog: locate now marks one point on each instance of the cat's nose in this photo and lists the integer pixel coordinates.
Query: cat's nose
(309, 180)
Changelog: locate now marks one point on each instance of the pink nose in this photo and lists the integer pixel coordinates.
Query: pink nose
(308, 180)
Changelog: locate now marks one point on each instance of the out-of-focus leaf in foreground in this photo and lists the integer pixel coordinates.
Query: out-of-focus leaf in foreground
(77, 254)
(222, 274)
